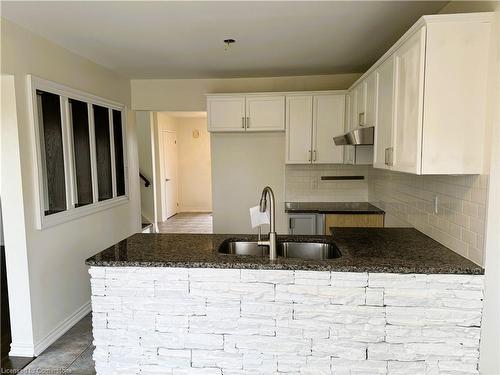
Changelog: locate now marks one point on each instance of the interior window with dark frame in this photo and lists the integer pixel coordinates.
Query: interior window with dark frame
(103, 152)
(51, 146)
(79, 121)
(119, 157)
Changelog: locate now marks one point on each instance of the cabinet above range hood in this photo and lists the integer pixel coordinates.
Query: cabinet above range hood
(355, 137)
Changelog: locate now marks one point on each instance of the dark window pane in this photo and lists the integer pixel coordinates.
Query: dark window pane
(79, 118)
(49, 118)
(102, 144)
(119, 165)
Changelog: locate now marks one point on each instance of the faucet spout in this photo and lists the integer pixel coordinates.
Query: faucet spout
(271, 242)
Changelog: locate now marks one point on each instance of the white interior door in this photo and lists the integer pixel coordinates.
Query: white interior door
(170, 190)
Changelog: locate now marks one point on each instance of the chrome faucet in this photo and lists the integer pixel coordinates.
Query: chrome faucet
(271, 242)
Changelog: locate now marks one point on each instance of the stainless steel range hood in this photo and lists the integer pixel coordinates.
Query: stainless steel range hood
(359, 136)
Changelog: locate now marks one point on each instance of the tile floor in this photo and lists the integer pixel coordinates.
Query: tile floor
(187, 222)
(70, 354)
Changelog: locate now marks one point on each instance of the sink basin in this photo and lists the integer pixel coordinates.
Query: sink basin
(308, 250)
(286, 249)
(243, 248)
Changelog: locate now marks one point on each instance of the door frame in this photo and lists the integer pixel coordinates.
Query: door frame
(163, 192)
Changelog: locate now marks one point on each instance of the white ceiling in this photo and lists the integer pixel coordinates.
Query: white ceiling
(184, 39)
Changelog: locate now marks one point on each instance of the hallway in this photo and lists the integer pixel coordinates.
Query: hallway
(187, 222)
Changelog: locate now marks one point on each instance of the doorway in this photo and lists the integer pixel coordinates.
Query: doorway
(175, 155)
(169, 175)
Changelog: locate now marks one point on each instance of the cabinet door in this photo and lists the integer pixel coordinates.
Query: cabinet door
(226, 114)
(349, 151)
(409, 61)
(302, 224)
(265, 113)
(371, 101)
(299, 129)
(328, 122)
(360, 105)
(354, 220)
(385, 110)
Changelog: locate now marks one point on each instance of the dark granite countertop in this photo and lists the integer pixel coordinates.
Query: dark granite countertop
(332, 208)
(398, 250)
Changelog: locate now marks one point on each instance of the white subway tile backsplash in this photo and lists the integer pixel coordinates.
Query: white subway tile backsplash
(407, 199)
(460, 219)
(303, 183)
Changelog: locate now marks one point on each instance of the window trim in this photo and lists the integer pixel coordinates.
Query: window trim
(65, 93)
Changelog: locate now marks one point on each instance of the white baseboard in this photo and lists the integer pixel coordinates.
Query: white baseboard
(62, 328)
(21, 350)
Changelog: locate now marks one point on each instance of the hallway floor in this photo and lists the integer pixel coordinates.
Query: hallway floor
(187, 222)
(70, 354)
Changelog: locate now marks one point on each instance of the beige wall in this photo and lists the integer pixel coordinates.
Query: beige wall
(58, 279)
(189, 94)
(242, 165)
(195, 177)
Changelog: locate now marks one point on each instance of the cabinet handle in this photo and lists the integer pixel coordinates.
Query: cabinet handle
(290, 223)
(310, 156)
(361, 119)
(243, 122)
(386, 161)
(314, 153)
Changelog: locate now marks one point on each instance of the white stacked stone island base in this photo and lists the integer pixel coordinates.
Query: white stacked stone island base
(161, 320)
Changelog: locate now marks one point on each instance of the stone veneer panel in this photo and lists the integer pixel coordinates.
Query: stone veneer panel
(230, 321)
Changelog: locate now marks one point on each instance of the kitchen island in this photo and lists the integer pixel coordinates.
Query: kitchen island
(395, 302)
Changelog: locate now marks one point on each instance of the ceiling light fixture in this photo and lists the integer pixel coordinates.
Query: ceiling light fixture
(228, 42)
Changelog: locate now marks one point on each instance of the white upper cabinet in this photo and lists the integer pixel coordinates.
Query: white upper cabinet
(226, 113)
(265, 113)
(299, 115)
(360, 107)
(328, 122)
(370, 101)
(384, 77)
(431, 97)
(359, 118)
(239, 113)
(311, 123)
(350, 121)
(409, 65)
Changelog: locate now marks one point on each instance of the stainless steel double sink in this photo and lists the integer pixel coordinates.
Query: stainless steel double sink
(286, 249)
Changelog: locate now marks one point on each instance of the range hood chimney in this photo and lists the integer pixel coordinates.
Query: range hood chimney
(359, 136)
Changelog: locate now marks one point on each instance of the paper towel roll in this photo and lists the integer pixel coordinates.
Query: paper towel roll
(258, 218)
